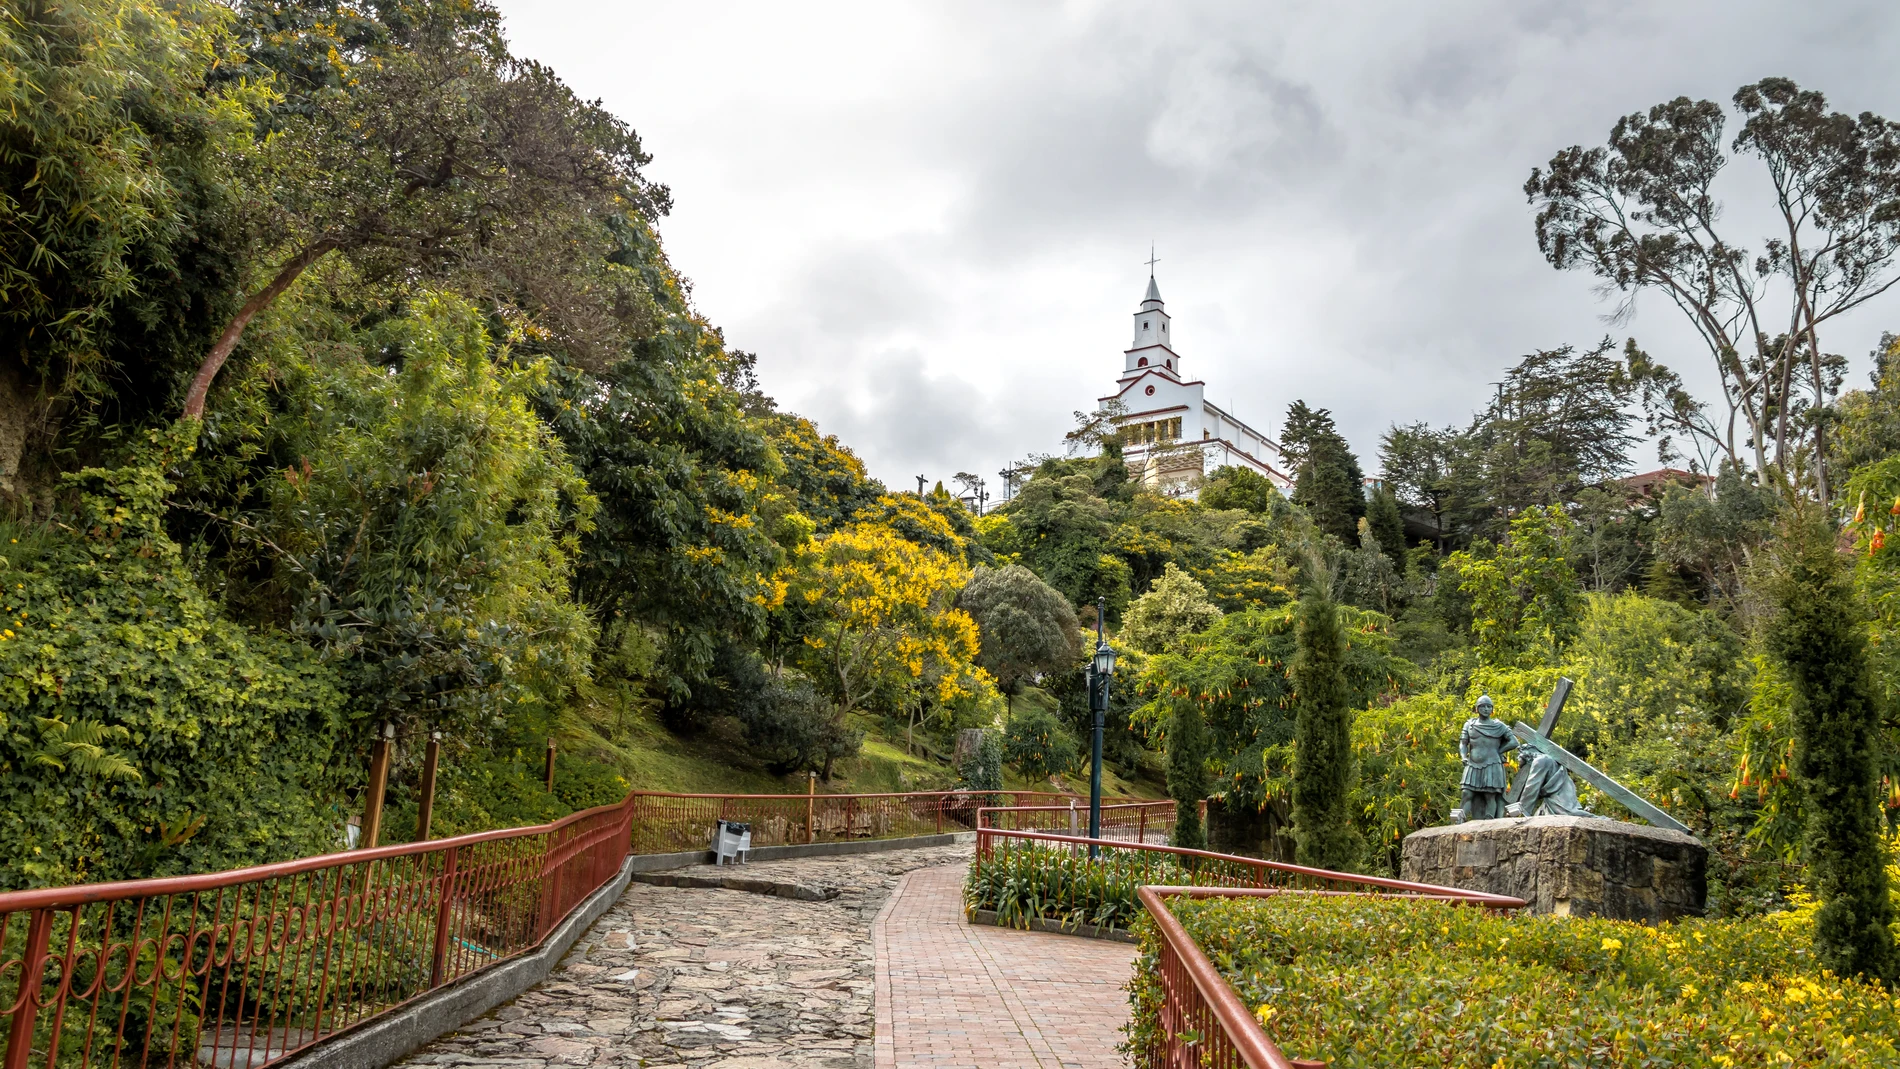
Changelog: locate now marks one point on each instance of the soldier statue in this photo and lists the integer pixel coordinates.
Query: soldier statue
(1482, 745)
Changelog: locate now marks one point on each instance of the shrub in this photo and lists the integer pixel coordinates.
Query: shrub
(142, 733)
(1038, 745)
(983, 770)
(1381, 982)
(1030, 880)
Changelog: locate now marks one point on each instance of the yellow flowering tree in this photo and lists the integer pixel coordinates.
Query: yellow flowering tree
(878, 625)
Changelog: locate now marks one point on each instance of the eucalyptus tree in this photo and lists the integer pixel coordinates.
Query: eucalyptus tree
(1641, 213)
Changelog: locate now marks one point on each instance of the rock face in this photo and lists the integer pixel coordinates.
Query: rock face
(1567, 866)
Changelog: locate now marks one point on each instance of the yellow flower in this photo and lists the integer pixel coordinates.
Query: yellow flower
(1612, 944)
(1264, 1012)
(1689, 991)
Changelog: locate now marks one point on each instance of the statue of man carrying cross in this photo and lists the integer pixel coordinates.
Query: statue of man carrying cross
(1544, 784)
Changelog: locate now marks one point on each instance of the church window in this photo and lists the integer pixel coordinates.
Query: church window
(1144, 324)
(1151, 391)
(1144, 362)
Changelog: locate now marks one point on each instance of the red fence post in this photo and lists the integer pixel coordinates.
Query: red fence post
(443, 911)
(32, 967)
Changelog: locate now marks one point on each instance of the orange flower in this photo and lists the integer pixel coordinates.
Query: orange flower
(1877, 543)
(1895, 510)
(1860, 510)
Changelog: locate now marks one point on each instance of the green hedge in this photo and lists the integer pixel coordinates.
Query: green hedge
(1383, 982)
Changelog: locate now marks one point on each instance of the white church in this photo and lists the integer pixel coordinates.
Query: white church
(1173, 436)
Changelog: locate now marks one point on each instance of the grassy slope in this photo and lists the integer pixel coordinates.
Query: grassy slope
(654, 759)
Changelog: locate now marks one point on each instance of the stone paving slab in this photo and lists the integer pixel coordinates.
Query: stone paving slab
(697, 977)
(708, 978)
(952, 995)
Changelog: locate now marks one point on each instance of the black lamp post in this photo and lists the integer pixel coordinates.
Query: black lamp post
(1101, 670)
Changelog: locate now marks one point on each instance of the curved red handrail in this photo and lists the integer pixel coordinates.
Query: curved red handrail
(1406, 886)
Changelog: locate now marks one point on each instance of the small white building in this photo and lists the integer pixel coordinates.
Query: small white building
(1173, 436)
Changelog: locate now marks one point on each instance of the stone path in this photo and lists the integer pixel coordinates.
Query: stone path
(951, 995)
(710, 978)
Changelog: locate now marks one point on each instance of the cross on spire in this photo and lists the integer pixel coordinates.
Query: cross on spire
(1152, 259)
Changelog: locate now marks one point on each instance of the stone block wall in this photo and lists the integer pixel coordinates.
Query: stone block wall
(1567, 866)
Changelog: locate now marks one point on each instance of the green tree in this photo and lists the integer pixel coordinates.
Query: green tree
(1526, 605)
(116, 197)
(1869, 420)
(424, 528)
(1188, 781)
(1164, 618)
(1816, 636)
(1641, 213)
(399, 147)
(1417, 463)
(1028, 629)
(1382, 515)
(1322, 740)
(1234, 487)
(1557, 424)
(1260, 579)
(1330, 484)
(1039, 745)
(1064, 523)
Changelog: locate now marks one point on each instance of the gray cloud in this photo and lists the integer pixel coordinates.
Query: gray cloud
(929, 220)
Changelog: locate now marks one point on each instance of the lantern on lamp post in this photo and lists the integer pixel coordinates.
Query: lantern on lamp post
(1101, 669)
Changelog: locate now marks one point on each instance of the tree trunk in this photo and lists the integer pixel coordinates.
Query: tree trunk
(234, 330)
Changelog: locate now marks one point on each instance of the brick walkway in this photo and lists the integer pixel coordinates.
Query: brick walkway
(952, 995)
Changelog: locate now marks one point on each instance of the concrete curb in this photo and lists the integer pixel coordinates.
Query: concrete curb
(386, 1039)
(1038, 924)
(662, 862)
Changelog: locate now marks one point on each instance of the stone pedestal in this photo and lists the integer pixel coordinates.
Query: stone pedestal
(1567, 866)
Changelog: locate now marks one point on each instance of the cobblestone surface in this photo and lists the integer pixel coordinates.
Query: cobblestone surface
(708, 978)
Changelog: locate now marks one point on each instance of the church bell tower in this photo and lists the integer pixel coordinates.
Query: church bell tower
(1153, 345)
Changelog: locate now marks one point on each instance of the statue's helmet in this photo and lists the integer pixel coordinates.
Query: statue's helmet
(1484, 703)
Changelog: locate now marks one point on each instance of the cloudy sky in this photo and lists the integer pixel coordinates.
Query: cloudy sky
(930, 220)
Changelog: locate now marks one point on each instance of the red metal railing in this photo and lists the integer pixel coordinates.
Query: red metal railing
(665, 823)
(244, 968)
(1202, 1022)
(1140, 822)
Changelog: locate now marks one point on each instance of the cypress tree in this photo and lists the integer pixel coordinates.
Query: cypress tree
(1382, 513)
(1322, 734)
(1188, 746)
(1816, 634)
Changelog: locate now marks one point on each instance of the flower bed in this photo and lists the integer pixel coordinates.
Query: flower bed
(1378, 982)
(1060, 884)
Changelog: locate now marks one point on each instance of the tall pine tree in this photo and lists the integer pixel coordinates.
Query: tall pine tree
(1817, 636)
(1322, 739)
(1329, 482)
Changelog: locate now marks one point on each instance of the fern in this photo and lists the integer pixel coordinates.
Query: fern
(80, 748)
